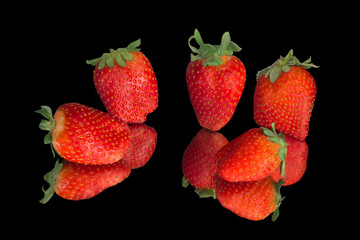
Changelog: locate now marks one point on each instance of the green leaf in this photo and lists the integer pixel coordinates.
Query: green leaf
(102, 63)
(50, 178)
(282, 153)
(234, 47)
(93, 62)
(206, 192)
(185, 183)
(132, 47)
(198, 37)
(225, 41)
(46, 112)
(127, 56)
(275, 74)
(110, 62)
(212, 62)
(120, 61)
(268, 132)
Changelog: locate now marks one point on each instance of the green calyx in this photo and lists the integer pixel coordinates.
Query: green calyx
(202, 192)
(284, 64)
(278, 199)
(212, 53)
(47, 125)
(279, 139)
(120, 55)
(50, 178)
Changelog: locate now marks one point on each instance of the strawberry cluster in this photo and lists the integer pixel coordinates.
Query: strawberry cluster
(100, 149)
(245, 174)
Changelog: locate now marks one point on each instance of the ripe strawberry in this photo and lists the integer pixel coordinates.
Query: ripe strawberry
(142, 145)
(75, 181)
(285, 94)
(126, 83)
(85, 135)
(252, 156)
(296, 161)
(253, 200)
(215, 80)
(198, 162)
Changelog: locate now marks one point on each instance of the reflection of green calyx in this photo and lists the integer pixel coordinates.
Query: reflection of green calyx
(120, 55)
(278, 199)
(50, 178)
(284, 64)
(212, 53)
(279, 139)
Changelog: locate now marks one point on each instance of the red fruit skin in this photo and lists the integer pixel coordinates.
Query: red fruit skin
(249, 157)
(296, 161)
(128, 93)
(288, 102)
(251, 200)
(88, 136)
(215, 91)
(78, 181)
(198, 162)
(142, 146)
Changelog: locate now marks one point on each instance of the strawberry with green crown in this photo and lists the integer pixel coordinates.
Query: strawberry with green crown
(215, 80)
(126, 83)
(285, 94)
(85, 135)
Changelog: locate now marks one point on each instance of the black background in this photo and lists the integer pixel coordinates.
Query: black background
(152, 201)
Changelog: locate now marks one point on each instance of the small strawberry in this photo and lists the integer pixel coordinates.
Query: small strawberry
(296, 161)
(126, 83)
(198, 162)
(142, 145)
(253, 200)
(285, 94)
(252, 156)
(75, 181)
(215, 80)
(85, 135)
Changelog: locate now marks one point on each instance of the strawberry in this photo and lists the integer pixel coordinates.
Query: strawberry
(198, 161)
(126, 83)
(142, 145)
(253, 200)
(252, 156)
(215, 80)
(296, 161)
(85, 135)
(285, 94)
(75, 181)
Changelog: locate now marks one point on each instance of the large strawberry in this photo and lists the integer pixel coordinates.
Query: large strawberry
(75, 181)
(296, 161)
(215, 80)
(252, 156)
(126, 83)
(253, 200)
(142, 146)
(285, 94)
(85, 135)
(198, 161)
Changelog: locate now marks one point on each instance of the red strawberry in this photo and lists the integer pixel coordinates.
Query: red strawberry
(142, 146)
(215, 81)
(75, 181)
(85, 135)
(296, 161)
(285, 94)
(251, 200)
(252, 156)
(198, 162)
(126, 83)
